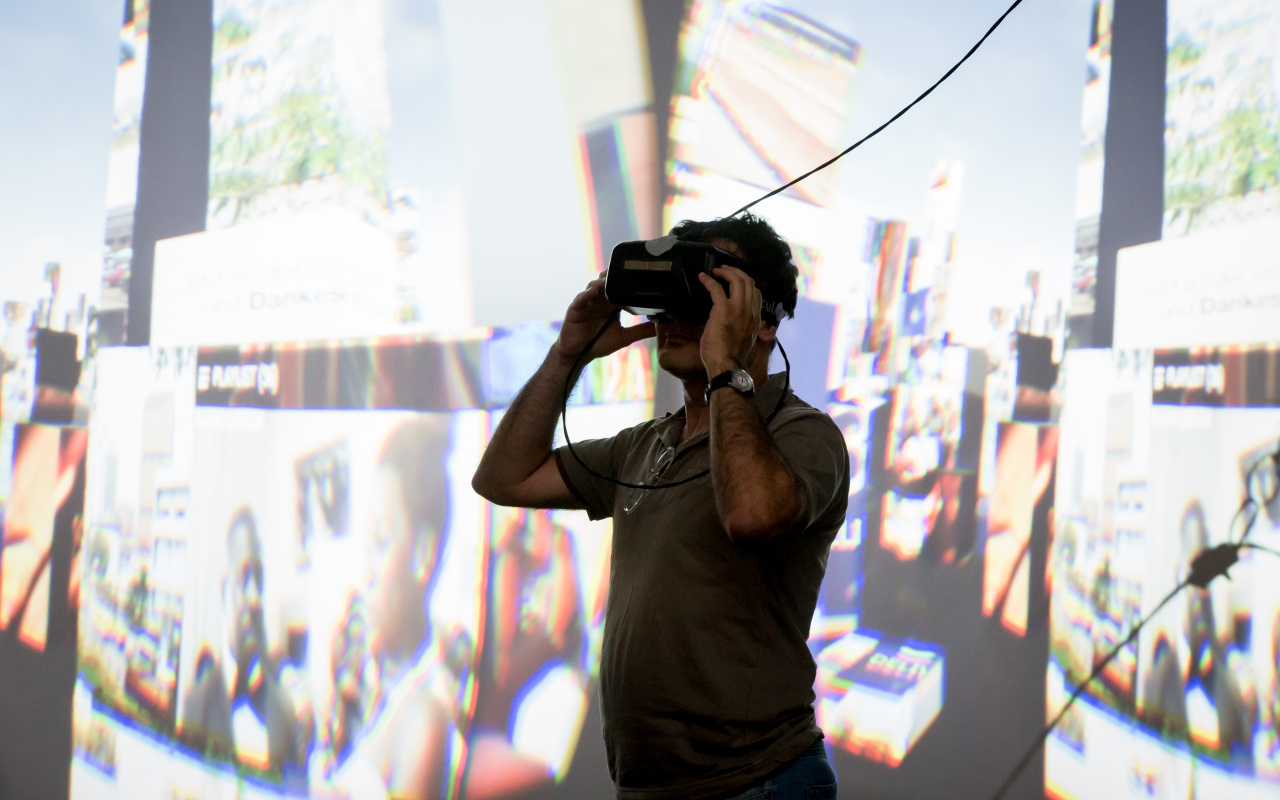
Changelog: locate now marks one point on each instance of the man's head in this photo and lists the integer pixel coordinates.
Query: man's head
(404, 537)
(242, 589)
(768, 258)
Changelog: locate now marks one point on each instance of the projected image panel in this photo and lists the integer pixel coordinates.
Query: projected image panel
(1016, 516)
(1088, 211)
(135, 557)
(1155, 465)
(878, 694)
(1100, 525)
(1221, 114)
(547, 583)
(741, 123)
(297, 615)
(45, 507)
(322, 606)
(368, 131)
(122, 171)
(931, 485)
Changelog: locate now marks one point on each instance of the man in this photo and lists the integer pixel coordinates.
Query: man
(236, 708)
(706, 681)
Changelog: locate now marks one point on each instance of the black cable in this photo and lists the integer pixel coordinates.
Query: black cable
(1206, 566)
(578, 361)
(1097, 670)
(1250, 503)
(1251, 546)
(1247, 506)
(564, 414)
(891, 120)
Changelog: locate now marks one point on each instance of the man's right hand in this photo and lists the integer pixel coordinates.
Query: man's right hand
(518, 468)
(588, 311)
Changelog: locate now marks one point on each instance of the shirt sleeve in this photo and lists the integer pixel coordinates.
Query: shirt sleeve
(604, 456)
(811, 445)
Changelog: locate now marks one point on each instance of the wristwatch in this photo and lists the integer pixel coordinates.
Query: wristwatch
(738, 379)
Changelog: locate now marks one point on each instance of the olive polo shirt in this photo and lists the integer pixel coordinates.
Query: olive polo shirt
(706, 683)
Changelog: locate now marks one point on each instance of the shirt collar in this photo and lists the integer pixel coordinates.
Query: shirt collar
(766, 396)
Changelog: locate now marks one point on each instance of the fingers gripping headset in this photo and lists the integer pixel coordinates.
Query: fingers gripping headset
(660, 278)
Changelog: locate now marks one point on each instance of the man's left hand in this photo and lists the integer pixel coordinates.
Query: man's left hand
(734, 323)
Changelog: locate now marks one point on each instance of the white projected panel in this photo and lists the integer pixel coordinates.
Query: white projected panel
(1213, 288)
(317, 274)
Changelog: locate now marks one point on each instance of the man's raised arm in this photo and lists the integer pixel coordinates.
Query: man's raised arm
(517, 468)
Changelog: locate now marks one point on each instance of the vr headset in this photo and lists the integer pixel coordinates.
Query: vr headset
(660, 276)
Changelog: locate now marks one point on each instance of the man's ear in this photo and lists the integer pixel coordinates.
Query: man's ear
(767, 332)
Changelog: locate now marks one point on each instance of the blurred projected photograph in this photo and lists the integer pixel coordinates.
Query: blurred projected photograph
(1016, 513)
(321, 605)
(762, 95)
(1191, 705)
(876, 695)
(547, 585)
(311, 647)
(45, 507)
(930, 491)
(135, 557)
(1221, 114)
(347, 140)
(895, 293)
(122, 170)
(300, 108)
(1096, 557)
(766, 80)
(1093, 122)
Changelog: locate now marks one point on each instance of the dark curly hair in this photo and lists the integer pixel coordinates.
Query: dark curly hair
(767, 254)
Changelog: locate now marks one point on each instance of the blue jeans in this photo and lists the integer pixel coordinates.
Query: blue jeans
(809, 777)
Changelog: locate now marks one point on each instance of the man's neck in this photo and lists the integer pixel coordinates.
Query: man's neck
(697, 414)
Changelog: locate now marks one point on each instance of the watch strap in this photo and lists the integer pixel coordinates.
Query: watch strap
(726, 379)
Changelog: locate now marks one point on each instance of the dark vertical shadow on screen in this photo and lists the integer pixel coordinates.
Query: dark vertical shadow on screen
(662, 20)
(36, 687)
(1133, 173)
(173, 169)
(35, 705)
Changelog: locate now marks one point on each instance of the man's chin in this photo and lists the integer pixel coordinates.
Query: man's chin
(681, 368)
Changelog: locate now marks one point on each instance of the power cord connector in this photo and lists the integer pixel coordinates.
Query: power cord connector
(1205, 567)
(1213, 563)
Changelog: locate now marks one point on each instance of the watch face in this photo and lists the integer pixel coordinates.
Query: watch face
(741, 381)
